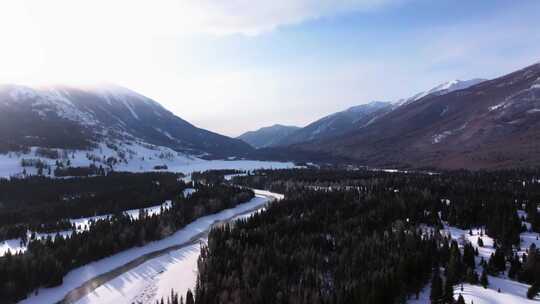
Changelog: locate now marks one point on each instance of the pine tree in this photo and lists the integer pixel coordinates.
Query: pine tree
(533, 290)
(448, 291)
(468, 255)
(484, 279)
(480, 242)
(436, 287)
(189, 297)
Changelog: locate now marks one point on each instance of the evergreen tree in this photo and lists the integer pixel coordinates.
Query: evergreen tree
(480, 242)
(448, 292)
(533, 290)
(189, 297)
(484, 279)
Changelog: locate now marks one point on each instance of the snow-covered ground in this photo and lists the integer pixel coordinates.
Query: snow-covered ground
(153, 279)
(189, 191)
(82, 223)
(138, 157)
(123, 285)
(229, 177)
(512, 292)
(14, 245)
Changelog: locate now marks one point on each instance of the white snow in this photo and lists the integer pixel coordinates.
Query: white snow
(189, 191)
(167, 134)
(13, 245)
(152, 280)
(139, 157)
(497, 106)
(512, 292)
(52, 99)
(81, 224)
(155, 278)
(441, 89)
(229, 177)
(438, 138)
(77, 277)
(130, 108)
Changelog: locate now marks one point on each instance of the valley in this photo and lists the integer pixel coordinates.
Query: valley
(83, 285)
(269, 152)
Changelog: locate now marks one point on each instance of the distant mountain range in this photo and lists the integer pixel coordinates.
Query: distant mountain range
(334, 125)
(459, 124)
(83, 117)
(268, 136)
(491, 124)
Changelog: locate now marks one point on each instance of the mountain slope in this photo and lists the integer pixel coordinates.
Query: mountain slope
(81, 117)
(493, 124)
(360, 116)
(267, 136)
(337, 123)
(443, 88)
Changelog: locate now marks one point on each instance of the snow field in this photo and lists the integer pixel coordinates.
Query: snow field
(140, 157)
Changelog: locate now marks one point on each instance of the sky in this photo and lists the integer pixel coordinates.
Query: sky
(238, 65)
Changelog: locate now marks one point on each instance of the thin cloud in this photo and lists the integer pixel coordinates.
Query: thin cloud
(172, 17)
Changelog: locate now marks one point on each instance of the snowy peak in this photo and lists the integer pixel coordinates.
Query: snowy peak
(459, 124)
(454, 85)
(441, 89)
(80, 117)
(368, 107)
(73, 102)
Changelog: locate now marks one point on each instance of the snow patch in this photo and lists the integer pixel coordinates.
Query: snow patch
(130, 108)
(496, 107)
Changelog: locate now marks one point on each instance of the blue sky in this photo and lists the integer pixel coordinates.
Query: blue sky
(233, 66)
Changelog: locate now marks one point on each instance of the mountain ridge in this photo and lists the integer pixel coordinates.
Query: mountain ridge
(335, 123)
(267, 136)
(491, 124)
(41, 115)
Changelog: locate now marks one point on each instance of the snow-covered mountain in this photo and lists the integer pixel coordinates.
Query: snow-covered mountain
(441, 89)
(267, 136)
(363, 115)
(68, 117)
(492, 124)
(337, 123)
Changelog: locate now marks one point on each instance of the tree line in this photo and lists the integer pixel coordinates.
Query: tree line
(43, 204)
